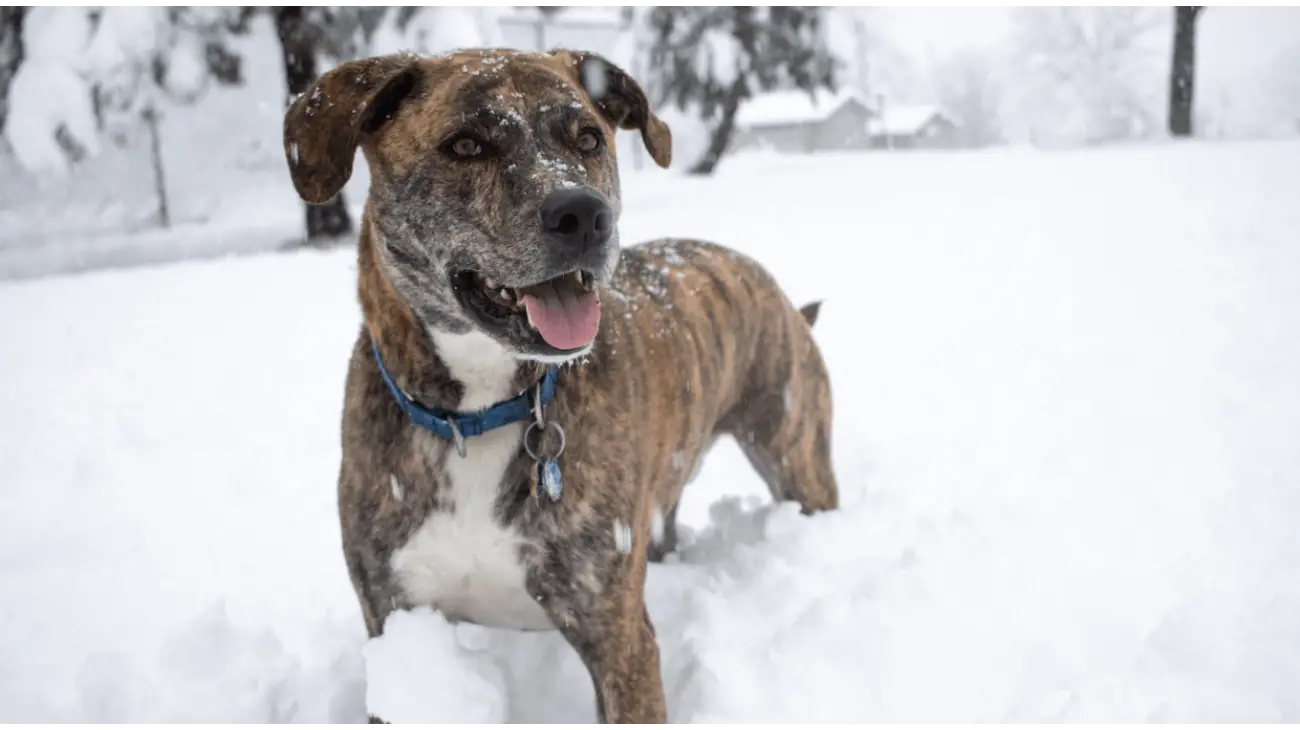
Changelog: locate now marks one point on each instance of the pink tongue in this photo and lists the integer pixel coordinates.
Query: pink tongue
(566, 317)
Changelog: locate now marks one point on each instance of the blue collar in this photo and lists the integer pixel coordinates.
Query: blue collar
(460, 426)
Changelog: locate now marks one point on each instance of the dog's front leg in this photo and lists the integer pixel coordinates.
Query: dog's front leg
(592, 584)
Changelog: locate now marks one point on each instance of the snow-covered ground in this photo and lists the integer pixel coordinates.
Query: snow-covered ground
(1067, 413)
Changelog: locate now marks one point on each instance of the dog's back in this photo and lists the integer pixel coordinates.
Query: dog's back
(713, 346)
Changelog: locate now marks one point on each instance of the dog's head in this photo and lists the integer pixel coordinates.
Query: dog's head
(494, 193)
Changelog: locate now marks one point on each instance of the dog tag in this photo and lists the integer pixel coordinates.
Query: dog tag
(549, 478)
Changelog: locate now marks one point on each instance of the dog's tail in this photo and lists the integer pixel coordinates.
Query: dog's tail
(810, 312)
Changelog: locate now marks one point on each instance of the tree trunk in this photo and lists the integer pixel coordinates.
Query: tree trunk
(11, 52)
(721, 136)
(151, 122)
(298, 48)
(1183, 75)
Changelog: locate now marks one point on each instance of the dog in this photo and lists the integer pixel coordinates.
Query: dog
(526, 399)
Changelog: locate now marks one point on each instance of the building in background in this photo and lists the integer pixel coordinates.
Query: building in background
(795, 121)
(907, 127)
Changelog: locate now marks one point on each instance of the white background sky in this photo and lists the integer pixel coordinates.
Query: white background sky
(1234, 43)
(1236, 37)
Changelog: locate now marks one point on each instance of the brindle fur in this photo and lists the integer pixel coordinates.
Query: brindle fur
(695, 341)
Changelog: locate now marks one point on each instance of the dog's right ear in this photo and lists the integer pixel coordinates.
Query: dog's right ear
(324, 125)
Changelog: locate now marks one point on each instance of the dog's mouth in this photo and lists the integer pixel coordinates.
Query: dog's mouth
(563, 311)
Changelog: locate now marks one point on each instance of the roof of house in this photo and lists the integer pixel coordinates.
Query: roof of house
(792, 106)
(902, 119)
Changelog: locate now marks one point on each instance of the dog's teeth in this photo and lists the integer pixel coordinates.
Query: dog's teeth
(489, 283)
(577, 276)
(505, 295)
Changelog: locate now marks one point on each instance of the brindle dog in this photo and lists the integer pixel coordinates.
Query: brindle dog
(489, 253)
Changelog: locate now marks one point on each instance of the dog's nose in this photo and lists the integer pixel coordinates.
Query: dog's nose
(577, 218)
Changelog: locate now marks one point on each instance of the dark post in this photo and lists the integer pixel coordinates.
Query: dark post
(159, 178)
(545, 14)
(1182, 77)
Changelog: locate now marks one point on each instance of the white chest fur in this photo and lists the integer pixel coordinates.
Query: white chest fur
(461, 560)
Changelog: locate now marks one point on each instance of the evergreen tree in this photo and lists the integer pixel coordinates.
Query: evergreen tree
(711, 59)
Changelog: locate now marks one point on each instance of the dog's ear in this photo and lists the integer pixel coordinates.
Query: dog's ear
(324, 125)
(621, 100)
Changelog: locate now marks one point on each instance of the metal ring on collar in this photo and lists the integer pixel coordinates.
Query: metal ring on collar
(457, 437)
(537, 406)
(528, 446)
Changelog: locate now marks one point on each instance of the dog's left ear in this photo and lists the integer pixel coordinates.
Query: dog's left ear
(621, 100)
(324, 126)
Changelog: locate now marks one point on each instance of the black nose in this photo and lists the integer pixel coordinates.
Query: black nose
(577, 218)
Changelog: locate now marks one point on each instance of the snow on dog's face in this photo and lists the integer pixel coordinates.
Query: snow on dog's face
(494, 194)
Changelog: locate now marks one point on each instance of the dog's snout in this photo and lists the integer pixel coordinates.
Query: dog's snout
(577, 218)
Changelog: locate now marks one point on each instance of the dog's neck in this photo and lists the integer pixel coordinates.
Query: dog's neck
(461, 372)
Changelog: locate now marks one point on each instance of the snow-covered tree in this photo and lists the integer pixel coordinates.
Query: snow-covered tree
(1182, 76)
(429, 30)
(861, 40)
(1084, 75)
(11, 51)
(710, 59)
(89, 73)
(546, 15)
(967, 86)
(1283, 89)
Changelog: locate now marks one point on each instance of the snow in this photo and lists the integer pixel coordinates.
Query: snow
(1065, 418)
(187, 70)
(52, 90)
(48, 96)
(594, 76)
(47, 93)
(840, 31)
(125, 37)
(718, 57)
(225, 174)
(418, 663)
(439, 30)
(55, 34)
(607, 15)
(448, 29)
(792, 106)
(119, 59)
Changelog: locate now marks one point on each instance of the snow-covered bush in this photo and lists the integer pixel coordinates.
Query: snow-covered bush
(88, 72)
(1086, 75)
(436, 30)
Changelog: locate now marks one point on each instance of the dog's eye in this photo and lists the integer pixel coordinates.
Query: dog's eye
(589, 141)
(466, 147)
